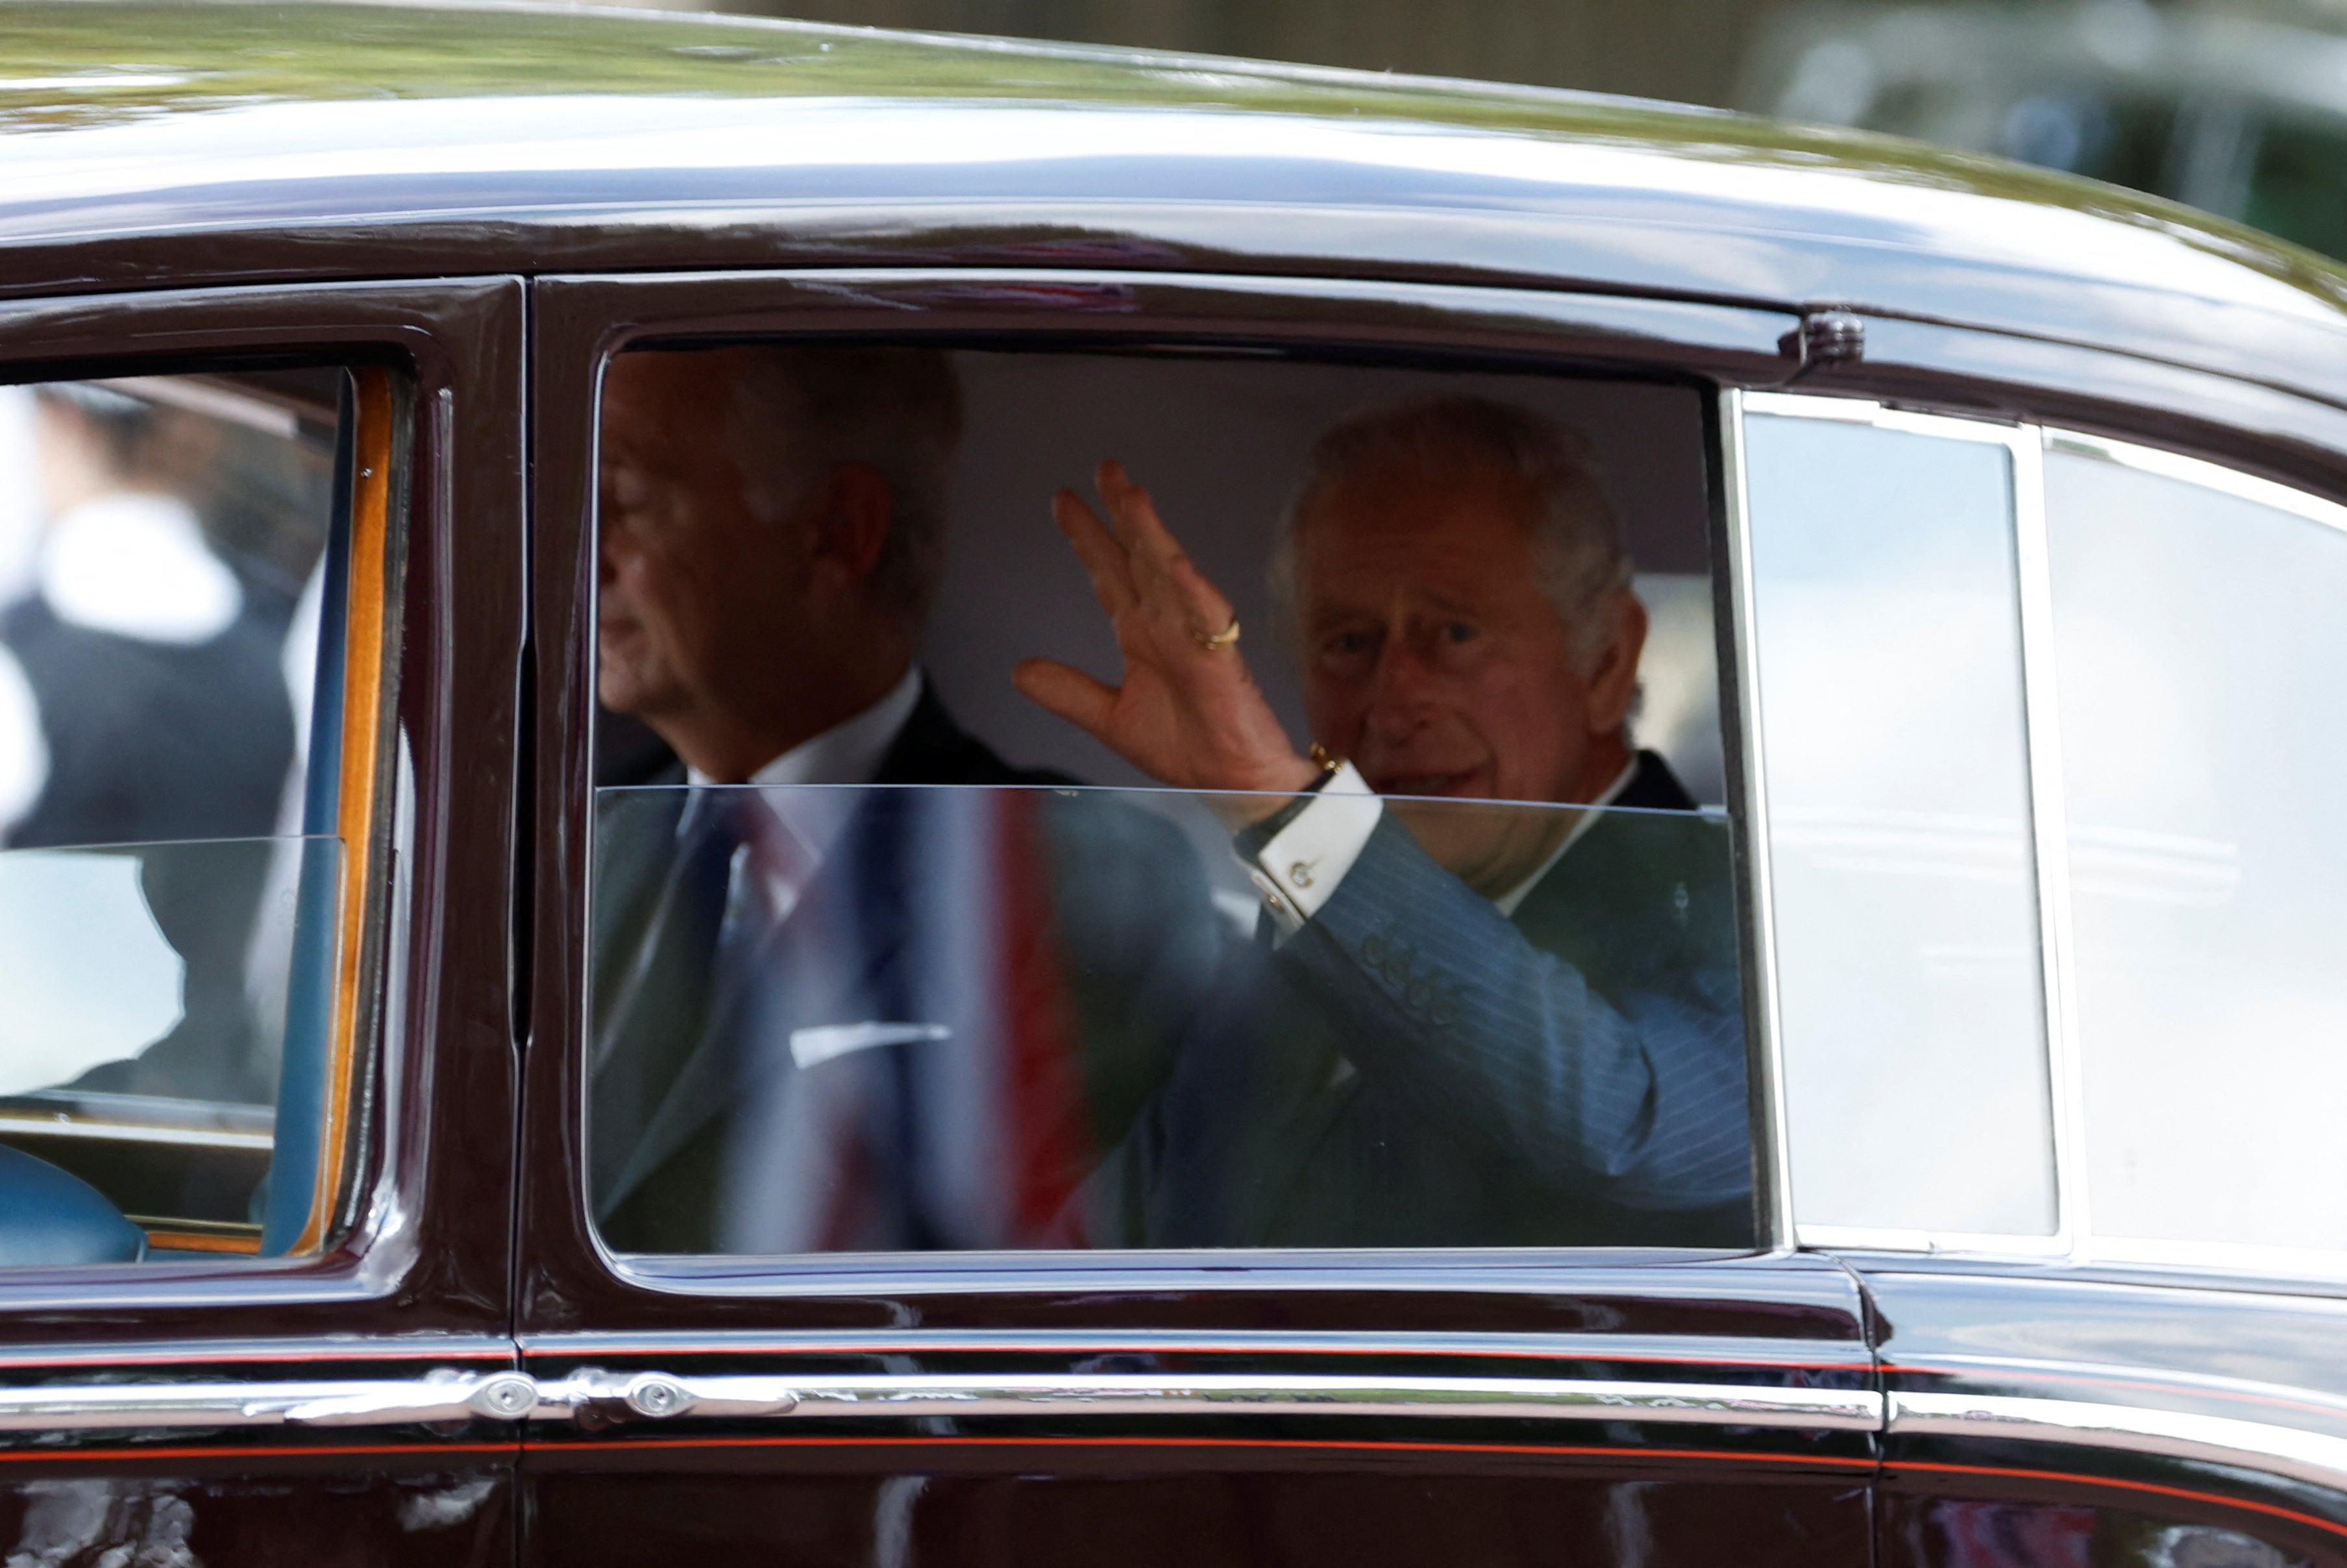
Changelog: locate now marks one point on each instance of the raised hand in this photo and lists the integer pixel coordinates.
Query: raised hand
(1188, 714)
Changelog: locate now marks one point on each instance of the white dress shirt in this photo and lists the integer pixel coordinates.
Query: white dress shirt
(1298, 870)
(809, 821)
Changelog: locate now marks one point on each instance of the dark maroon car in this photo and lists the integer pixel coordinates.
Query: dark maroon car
(1988, 534)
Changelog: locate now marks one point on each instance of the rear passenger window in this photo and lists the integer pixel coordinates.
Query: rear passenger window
(909, 936)
(2201, 636)
(192, 587)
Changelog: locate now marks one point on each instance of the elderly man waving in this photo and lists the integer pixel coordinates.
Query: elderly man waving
(1468, 1024)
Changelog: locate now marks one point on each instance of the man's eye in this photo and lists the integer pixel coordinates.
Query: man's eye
(1457, 632)
(1351, 642)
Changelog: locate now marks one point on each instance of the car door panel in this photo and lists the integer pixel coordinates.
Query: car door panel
(1654, 1406)
(1694, 1410)
(1024, 1504)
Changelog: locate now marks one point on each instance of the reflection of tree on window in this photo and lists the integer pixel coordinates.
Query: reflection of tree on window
(1480, 1025)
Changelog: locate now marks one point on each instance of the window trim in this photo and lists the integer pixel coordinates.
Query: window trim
(363, 796)
(2199, 471)
(587, 319)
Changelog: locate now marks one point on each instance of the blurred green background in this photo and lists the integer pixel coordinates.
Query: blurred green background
(2237, 106)
(1684, 49)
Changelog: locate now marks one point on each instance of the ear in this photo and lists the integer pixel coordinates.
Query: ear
(1614, 680)
(849, 523)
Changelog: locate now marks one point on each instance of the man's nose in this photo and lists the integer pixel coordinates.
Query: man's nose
(1397, 693)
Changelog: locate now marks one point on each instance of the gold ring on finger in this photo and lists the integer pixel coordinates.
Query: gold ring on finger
(1220, 639)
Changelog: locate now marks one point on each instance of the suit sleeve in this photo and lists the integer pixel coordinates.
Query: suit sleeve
(1639, 1094)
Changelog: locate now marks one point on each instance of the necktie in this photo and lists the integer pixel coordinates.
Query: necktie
(710, 910)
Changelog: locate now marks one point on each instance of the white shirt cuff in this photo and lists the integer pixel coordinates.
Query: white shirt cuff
(1298, 870)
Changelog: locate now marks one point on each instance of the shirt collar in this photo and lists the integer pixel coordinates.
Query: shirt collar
(850, 751)
(1514, 897)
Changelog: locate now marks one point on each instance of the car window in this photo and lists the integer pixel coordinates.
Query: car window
(187, 700)
(1320, 847)
(1887, 641)
(2202, 661)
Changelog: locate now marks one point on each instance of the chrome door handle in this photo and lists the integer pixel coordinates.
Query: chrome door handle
(440, 1395)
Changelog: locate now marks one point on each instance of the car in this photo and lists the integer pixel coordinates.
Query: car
(2234, 110)
(1990, 527)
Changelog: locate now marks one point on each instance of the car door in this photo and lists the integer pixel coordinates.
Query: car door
(2061, 937)
(1672, 1403)
(260, 654)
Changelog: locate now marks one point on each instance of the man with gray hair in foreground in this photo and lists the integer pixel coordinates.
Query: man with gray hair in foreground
(1468, 1024)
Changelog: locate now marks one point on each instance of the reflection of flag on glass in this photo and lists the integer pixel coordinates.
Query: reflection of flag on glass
(913, 1078)
(1050, 1142)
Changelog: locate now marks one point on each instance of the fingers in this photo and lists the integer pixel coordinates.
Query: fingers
(1156, 558)
(1068, 692)
(1105, 559)
(1137, 522)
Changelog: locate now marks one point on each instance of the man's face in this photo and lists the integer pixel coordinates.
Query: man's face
(1435, 662)
(696, 591)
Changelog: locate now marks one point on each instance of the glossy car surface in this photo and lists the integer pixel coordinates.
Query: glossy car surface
(489, 202)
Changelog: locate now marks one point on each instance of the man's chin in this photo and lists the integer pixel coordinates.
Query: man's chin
(621, 696)
(1471, 784)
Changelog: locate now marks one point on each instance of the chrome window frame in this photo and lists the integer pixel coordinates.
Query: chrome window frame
(2073, 1239)
(1766, 1026)
(1535, 331)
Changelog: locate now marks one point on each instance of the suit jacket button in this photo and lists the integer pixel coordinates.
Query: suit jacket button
(1373, 948)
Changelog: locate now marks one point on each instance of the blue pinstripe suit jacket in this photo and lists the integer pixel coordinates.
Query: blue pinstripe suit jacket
(1414, 1068)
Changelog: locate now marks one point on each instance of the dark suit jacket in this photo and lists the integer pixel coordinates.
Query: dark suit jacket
(694, 1091)
(1413, 1068)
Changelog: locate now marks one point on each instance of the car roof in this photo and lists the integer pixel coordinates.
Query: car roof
(171, 145)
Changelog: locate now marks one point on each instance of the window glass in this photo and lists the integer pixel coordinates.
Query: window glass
(966, 882)
(172, 868)
(983, 1018)
(2202, 658)
(1908, 965)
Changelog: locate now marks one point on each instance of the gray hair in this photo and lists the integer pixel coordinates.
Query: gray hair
(1576, 538)
(800, 410)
